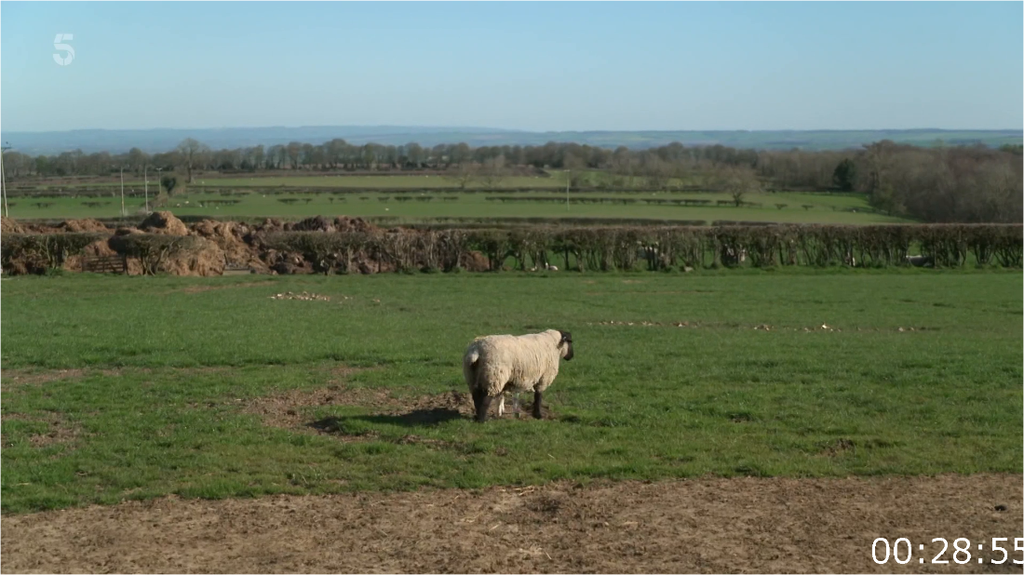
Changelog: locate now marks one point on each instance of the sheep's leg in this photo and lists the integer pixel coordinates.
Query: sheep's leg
(536, 404)
(482, 402)
(501, 404)
(515, 403)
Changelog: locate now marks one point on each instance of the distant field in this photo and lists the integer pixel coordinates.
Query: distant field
(555, 180)
(823, 208)
(381, 182)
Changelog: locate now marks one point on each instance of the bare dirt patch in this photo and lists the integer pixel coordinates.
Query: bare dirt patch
(838, 447)
(823, 328)
(200, 289)
(12, 378)
(706, 525)
(295, 409)
(642, 292)
(59, 431)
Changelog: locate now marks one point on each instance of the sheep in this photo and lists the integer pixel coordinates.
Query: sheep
(732, 257)
(920, 261)
(495, 364)
(849, 260)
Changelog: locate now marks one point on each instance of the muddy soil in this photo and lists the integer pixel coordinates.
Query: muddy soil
(704, 525)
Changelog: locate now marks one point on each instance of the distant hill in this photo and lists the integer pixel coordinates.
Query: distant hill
(161, 139)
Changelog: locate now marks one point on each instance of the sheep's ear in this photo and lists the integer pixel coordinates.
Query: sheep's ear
(566, 337)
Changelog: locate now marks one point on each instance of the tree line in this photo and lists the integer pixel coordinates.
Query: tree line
(938, 184)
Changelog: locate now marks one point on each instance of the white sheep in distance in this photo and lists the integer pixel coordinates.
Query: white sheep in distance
(496, 364)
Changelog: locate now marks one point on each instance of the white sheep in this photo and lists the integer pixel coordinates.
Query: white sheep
(920, 261)
(496, 364)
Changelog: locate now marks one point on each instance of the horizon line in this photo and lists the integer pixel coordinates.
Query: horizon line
(519, 130)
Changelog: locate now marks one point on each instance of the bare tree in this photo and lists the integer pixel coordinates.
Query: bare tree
(465, 174)
(137, 159)
(493, 171)
(294, 151)
(738, 181)
(192, 153)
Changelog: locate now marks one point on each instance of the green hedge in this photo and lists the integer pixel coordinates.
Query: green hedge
(665, 247)
(595, 248)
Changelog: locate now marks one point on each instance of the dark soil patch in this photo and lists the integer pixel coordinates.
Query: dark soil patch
(294, 409)
(838, 447)
(741, 525)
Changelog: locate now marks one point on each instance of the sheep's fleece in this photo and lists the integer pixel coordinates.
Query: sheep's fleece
(496, 364)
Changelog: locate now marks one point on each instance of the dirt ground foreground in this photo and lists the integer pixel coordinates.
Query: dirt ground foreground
(703, 525)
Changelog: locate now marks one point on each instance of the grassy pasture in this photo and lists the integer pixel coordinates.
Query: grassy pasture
(120, 388)
(823, 208)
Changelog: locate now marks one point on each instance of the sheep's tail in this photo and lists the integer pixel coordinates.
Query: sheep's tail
(469, 367)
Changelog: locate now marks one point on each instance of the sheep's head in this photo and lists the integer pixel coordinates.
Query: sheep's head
(565, 345)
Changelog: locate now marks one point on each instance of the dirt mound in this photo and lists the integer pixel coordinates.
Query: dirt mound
(475, 262)
(163, 223)
(321, 224)
(314, 224)
(238, 245)
(11, 226)
(99, 248)
(270, 225)
(287, 263)
(229, 238)
(741, 525)
(83, 225)
(347, 224)
(206, 259)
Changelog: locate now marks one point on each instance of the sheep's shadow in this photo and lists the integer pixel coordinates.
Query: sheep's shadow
(416, 418)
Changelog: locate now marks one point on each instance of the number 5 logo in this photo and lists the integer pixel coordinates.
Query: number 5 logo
(58, 45)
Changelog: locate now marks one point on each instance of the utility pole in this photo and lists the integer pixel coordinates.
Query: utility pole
(158, 185)
(122, 192)
(568, 178)
(145, 183)
(3, 176)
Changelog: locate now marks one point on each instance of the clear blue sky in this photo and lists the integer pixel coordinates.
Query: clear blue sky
(531, 66)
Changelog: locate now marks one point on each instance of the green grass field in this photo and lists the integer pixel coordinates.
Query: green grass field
(823, 208)
(122, 388)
